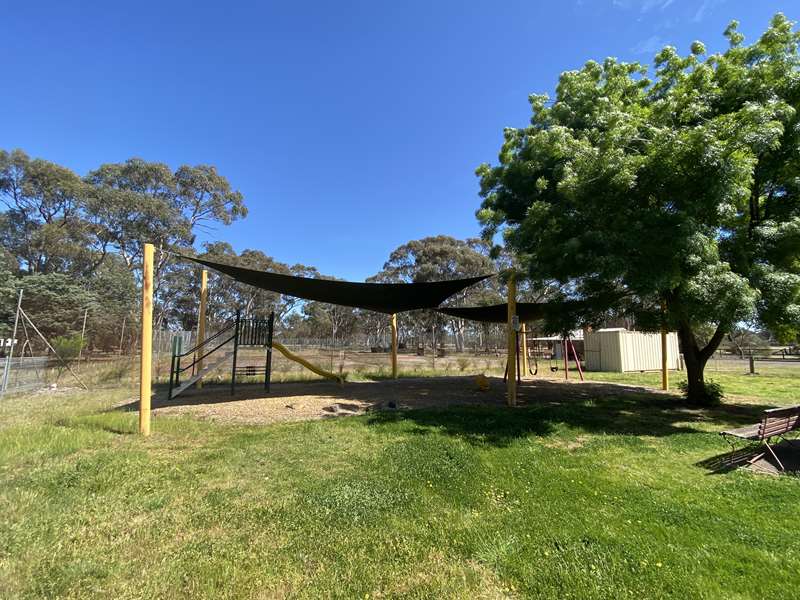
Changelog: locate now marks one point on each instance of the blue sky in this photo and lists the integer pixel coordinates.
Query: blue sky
(350, 127)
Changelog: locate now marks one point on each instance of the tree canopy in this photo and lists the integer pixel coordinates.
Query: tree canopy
(75, 242)
(676, 190)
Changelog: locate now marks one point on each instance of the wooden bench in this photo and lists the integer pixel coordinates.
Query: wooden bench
(775, 423)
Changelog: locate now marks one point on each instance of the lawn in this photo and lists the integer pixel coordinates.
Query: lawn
(775, 381)
(599, 498)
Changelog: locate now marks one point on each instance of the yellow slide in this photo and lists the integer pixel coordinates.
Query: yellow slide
(313, 368)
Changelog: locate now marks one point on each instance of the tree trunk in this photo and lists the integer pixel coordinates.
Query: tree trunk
(458, 334)
(695, 360)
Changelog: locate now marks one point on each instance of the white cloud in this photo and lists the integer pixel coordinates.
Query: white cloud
(648, 5)
(644, 5)
(649, 46)
(705, 7)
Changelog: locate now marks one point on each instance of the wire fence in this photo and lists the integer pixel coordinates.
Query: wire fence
(355, 357)
(28, 373)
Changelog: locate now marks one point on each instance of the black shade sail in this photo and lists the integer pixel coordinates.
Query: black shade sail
(381, 297)
(497, 313)
(531, 311)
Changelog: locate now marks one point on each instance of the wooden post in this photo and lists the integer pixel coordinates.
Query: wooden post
(201, 323)
(511, 339)
(525, 365)
(147, 340)
(664, 371)
(394, 345)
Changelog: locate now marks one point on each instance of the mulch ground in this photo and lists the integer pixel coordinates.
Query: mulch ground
(324, 399)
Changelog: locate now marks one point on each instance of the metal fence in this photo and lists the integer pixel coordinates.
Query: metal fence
(28, 373)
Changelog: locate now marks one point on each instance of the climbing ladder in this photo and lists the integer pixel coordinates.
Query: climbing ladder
(222, 346)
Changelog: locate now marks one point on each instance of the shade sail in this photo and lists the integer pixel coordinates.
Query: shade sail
(497, 313)
(531, 311)
(381, 297)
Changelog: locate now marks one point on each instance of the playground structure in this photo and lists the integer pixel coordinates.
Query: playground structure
(390, 298)
(212, 352)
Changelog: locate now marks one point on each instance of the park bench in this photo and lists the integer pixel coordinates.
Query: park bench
(775, 423)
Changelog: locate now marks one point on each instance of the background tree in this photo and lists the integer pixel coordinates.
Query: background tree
(55, 302)
(681, 190)
(43, 225)
(136, 202)
(438, 258)
(116, 300)
(744, 341)
(325, 320)
(92, 229)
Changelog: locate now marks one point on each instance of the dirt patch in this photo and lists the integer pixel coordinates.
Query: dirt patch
(322, 399)
(573, 444)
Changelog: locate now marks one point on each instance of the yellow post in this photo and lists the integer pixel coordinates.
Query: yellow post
(147, 340)
(664, 371)
(201, 322)
(511, 335)
(394, 345)
(525, 365)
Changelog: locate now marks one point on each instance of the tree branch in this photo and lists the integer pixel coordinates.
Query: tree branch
(713, 343)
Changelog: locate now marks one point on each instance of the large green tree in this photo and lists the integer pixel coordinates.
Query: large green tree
(679, 191)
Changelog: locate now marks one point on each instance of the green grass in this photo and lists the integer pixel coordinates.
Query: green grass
(773, 382)
(595, 499)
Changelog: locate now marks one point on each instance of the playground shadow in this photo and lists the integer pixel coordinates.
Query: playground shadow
(454, 405)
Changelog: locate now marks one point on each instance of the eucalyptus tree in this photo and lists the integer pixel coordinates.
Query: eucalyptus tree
(439, 258)
(43, 223)
(675, 192)
(52, 221)
(138, 201)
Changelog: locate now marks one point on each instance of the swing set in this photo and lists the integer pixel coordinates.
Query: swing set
(525, 353)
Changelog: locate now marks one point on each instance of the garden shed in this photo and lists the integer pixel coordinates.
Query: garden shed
(620, 350)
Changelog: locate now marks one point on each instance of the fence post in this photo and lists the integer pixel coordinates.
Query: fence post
(7, 368)
(752, 365)
(83, 332)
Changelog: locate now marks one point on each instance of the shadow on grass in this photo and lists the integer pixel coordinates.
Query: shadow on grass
(639, 414)
(755, 457)
(97, 423)
(455, 406)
